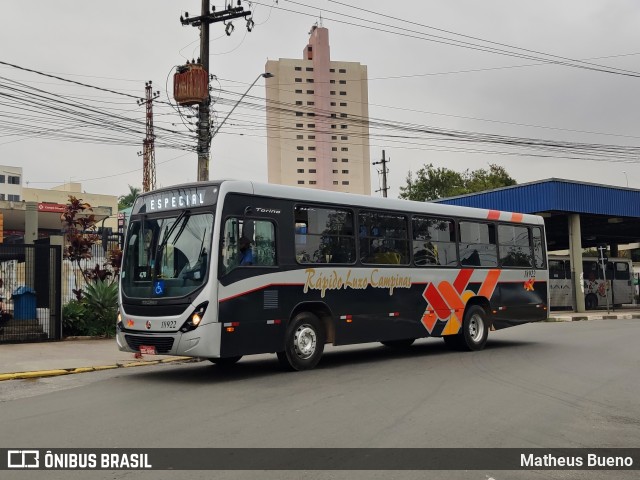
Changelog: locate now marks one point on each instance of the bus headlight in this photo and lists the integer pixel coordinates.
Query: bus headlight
(119, 321)
(195, 318)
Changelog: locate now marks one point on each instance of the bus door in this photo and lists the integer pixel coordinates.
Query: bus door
(622, 285)
(560, 283)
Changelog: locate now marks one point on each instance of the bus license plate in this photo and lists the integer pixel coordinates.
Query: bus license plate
(147, 349)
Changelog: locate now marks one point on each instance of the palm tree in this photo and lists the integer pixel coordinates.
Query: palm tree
(126, 201)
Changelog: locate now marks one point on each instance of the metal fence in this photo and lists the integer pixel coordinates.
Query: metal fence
(30, 293)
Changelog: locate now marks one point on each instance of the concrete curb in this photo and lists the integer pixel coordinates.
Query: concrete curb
(576, 318)
(72, 371)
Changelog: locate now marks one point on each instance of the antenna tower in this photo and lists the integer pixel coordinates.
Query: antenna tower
(149, 150)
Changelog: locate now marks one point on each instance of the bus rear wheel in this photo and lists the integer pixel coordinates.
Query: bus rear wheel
(474, 332)
(304, 342)
(225, 361)
(404, 343)
(590, 302)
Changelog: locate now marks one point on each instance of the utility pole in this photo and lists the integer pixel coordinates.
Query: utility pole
(203, 21)
(384, 172)
(149, 150)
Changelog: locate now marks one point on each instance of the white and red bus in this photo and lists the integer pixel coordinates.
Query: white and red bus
(219, 270)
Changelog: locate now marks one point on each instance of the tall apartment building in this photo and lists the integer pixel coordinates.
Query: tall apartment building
(318, 120)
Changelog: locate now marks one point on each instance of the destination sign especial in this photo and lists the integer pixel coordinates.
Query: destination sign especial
(176, 201)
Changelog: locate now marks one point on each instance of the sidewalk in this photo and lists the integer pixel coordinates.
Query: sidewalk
(47, 359)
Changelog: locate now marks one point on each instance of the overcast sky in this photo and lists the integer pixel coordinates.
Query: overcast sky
(118, 45)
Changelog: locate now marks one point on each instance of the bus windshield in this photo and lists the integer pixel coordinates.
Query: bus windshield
(168, 256)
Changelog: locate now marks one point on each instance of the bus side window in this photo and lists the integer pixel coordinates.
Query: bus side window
(622, 271)
(556, 269)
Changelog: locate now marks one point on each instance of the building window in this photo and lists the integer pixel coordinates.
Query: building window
(343, 104)
(299, 125)
(300, 182)
(343, 93)
(312, 148)
(346, 172)
(333, 115)
(312, 170)
(13, 198)
(298, 102)
(334, 149)
(300, 170)
(334, 160)
(335, 171)
(312, 182)
(344, 149)
(342, 70)
(311, 137)
(309, 80)
(311, 114)
(333, 126)
(2, 196)
(332, 81)
(13, 180)
(344, 137)
(309, 69)
(312, 159)
(310, 92)
(298, 69)
(298, 91)
(298, 114)
(332, 70)
(332, 92)
(335, 182)
(345, 160)
(300, 147)
(333, 137)
(333, 104)
(343, 82)
(311, 103)
(299, 137)
(1, 178)
(343, 115)
(298, 80)
(343, 126)
(345, 182)
(311, 125)
(300, 159)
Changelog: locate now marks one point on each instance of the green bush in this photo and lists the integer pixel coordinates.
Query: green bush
(95, 314)
(74, 319)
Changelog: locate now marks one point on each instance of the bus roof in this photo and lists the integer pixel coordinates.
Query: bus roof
(351, 199)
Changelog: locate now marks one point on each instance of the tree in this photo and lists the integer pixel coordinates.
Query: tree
(432, 183)
(126, 201)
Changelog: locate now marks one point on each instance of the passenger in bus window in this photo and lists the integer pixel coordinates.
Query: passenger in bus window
(246, 253)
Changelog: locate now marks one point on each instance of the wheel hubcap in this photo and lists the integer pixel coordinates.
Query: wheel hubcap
(476, 328)
(304, 341)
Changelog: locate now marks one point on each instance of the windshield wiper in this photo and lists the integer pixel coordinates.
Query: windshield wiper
(168, 235)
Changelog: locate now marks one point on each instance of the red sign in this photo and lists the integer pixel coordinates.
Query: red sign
(51, 207)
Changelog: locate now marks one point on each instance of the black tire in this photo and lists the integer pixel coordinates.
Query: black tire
(304, 342)
(225, 361)
(404, 343)
(590, 302)
(474, 332)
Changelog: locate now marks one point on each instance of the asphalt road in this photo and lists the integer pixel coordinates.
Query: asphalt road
(542, 385)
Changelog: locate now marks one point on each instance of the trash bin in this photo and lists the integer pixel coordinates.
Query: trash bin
(24, 303)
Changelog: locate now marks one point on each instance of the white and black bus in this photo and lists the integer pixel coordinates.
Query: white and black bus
(219, 270)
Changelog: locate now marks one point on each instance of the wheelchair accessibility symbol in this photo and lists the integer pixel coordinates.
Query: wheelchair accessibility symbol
(158, 287)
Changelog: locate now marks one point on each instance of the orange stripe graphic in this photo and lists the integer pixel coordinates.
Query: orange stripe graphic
(493, 215)
(516, 217)
(489, 284)
(451, 296)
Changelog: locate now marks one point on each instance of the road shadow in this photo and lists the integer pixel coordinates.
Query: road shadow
(334, 358)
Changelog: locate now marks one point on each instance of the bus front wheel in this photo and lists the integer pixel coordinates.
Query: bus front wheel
(304, 342)
(474, 332)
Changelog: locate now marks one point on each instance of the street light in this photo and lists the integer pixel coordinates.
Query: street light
(263, 75)
(625, 176)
